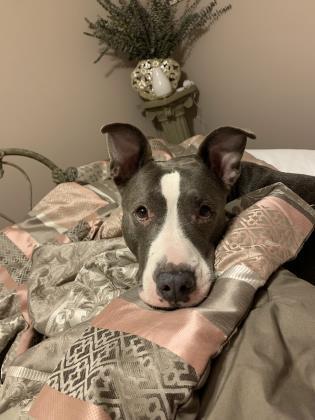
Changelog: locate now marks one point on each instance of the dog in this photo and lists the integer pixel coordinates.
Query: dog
(174, 211)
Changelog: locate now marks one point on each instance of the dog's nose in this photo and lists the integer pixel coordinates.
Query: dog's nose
(176, 286)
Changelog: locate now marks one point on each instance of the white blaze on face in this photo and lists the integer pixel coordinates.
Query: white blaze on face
(172, 246)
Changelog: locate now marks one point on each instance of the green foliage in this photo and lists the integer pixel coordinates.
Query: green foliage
(140, 29)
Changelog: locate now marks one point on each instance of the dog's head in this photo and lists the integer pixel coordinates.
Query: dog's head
(173, 211)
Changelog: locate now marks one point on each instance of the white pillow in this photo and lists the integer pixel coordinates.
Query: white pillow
(300, 161)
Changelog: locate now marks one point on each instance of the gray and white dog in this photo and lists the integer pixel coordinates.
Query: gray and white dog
(173, 211)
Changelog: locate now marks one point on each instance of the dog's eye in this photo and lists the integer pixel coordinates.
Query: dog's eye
(141, 213)
(205, 211)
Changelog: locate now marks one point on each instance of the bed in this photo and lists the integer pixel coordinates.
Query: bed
(66, 275)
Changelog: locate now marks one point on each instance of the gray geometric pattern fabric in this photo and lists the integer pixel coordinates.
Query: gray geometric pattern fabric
(13, 259)
(124, 373)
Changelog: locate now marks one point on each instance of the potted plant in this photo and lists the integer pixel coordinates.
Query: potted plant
(151, 31)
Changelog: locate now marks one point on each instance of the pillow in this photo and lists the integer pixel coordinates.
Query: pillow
(136, 362)
(297, 161)
(191, 145)
(248, 157)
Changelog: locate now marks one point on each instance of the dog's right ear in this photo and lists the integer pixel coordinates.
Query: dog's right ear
(128, 150)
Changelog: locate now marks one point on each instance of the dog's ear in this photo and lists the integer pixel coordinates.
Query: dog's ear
(128, 150)
(222, 151)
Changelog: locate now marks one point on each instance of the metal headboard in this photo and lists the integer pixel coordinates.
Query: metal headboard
(58, 175)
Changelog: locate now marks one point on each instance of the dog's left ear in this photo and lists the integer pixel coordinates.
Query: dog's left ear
(222, 151)
(128, 150)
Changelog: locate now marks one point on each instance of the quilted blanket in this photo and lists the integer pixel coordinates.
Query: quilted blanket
(76, 342)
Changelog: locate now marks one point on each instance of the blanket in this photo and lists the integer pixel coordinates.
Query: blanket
(71, 307)
(59, 309)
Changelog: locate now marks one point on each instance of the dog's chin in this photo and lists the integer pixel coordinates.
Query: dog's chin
(157, 302)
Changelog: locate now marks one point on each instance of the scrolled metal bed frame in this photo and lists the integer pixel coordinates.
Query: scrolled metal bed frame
(58, 175)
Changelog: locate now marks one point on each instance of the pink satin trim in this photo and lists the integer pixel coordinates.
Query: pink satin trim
(184, 332)
(21, 239)
(51, 404)
(25, 340)
(28, 333)
(62, 239)
(66, 204)
(301, 223)
(6, 278)
(22, 294)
